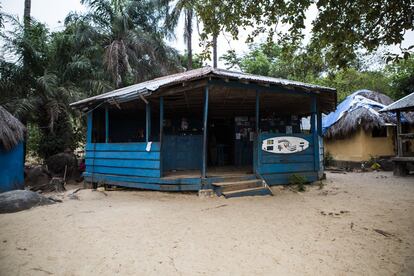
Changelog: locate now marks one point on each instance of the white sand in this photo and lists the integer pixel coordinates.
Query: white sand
(141, 233)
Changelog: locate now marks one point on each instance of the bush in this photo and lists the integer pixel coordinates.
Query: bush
(328, 159)
(34, 137)
(298, 180)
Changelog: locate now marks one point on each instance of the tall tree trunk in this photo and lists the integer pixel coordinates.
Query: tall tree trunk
(188, 37)
(26, 23)
(26, 14)
(215, 51)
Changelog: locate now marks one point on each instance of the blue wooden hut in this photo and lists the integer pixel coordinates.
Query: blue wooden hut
(193, 130)
(11, 152)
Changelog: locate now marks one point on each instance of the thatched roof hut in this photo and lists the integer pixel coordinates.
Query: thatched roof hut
(11, 130)
(359, 110)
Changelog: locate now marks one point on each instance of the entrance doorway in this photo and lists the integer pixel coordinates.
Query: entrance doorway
(230, 146)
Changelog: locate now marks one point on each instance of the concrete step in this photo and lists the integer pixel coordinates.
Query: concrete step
(258, 191)
(238, 185)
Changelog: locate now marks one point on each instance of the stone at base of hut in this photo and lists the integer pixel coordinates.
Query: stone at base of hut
(19, 200)
(206, 193)
(36, 177)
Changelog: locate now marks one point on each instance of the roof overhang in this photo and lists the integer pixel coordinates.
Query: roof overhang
(404, 104)
(192, 78)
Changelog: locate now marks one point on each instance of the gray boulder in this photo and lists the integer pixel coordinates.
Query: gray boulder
(18, 200)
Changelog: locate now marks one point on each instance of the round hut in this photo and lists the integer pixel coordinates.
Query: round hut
(11, 152)
(357, 132)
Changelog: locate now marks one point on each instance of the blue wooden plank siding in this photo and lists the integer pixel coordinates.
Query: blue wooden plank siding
(182, 152)
(124, 159)
(11, 168)
(277, 168)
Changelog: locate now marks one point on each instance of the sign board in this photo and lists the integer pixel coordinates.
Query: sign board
(285, 145)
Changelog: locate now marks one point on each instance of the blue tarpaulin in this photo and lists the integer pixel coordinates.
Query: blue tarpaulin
(352, 103)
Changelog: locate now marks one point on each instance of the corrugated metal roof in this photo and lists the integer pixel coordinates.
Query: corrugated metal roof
(403, 104)
(147, 87)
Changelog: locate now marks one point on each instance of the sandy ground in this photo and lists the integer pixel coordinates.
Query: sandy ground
(153, 233)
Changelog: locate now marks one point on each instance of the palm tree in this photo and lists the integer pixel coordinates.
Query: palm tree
(26, 14)
(214, 51)
(185, 7)
(133, 42)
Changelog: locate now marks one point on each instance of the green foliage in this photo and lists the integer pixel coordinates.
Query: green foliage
(116, 43)
(34, 138)
(299, 180)
(339, 29)
(306, 64)
(197, 62)
(348, 81)
(401, 74)
(269, 59)
(376, 166)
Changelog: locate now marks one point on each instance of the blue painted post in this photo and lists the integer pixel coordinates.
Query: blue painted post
(161, 117)
(106, 124)
(205, 119)
(257, 139)
(89, 127)
(148, 122)
(257, 112)
(314, 128)
(161, 131)
(319, 126)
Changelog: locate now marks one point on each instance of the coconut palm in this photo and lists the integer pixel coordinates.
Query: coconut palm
(26, 14)
(186, 8)
(133, 44)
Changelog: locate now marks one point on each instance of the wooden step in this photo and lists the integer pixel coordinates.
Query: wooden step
(238, 185)
(247, 192)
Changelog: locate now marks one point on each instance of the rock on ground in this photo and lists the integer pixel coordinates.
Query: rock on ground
(18, 200)
(36, 177)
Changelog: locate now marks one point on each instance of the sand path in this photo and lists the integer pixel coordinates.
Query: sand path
(153, 233)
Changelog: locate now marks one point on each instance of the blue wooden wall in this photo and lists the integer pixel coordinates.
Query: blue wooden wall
(182, 152)
(130, 165)
(277, 168)
(127, 159)
(11, 168)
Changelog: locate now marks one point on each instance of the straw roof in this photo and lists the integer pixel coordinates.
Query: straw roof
(11, 130)
(364, 116)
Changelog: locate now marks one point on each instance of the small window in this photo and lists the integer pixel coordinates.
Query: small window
(379, 132)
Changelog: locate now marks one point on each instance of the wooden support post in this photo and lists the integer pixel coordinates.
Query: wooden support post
(399, 142)
(161, 131)
(205, 125)
(106, 124)
(314, 128)
(148, 122)
(257, 141)
(89, 127)
(257, 112)
(319, 126)
(161, 117)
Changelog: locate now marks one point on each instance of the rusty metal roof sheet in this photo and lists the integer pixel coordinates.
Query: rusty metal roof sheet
(147, 87)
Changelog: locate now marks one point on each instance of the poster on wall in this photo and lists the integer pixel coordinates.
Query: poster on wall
(284, 145)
